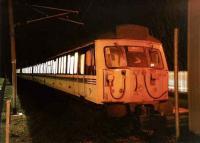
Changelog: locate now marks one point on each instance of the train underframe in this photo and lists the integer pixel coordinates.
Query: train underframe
(145, 117)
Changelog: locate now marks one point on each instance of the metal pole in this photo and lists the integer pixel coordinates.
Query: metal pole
(13, 53)
(176, 82)
(7, 121)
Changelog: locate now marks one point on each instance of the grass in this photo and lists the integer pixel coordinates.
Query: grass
(1, 83)
(18, 123)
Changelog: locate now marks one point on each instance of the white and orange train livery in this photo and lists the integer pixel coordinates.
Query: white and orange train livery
(125, 71)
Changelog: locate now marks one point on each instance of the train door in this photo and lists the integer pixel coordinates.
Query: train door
(90, 73)
(75, 74)
(81, 74)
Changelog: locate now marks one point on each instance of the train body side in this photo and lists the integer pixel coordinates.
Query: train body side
(130, 85)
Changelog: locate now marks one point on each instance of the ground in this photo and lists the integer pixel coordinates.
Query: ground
(50, 116)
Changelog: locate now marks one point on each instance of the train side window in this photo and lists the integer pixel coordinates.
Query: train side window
(64, 66)
(76, 63)
(56, 68)
(57, 63)
(46, 67)
(82, 64)
(68, 64)
(41, 68)
(155, 58)
(51, 66)
(61, 65)
(71, 64)
(90, 62)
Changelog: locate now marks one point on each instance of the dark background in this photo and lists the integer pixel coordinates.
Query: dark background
(37, 41)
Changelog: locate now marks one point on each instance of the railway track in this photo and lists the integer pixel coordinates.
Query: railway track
(69, 120)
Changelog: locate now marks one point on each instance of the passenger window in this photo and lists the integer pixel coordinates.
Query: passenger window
(76, 63)
(71, 64)
(90, 62)
(59, 65)
(82, 64)
(155, 58)
(68, 64)
(64, 66)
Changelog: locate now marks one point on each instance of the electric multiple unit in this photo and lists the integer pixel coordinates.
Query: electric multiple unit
(116, 71)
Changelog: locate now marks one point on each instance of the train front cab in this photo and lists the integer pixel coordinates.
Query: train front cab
(133, 73)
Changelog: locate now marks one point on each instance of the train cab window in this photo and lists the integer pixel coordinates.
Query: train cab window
(82, 64)
(90, 62)
(115, 56)
(136, 57)
(155, 58)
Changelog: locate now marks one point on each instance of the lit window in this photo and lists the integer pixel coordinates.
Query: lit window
(51, 66)
(61, 64)
(82, 63)
(71, 64)
(76, 62)
(65, 58)
(90, 62)
(56, 65)
(68, 63)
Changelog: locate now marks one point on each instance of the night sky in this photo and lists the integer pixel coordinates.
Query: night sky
(37, 41)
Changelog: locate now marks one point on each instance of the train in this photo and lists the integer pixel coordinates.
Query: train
(126, 72)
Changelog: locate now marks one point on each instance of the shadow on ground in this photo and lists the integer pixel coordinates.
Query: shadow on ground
(55, 117)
